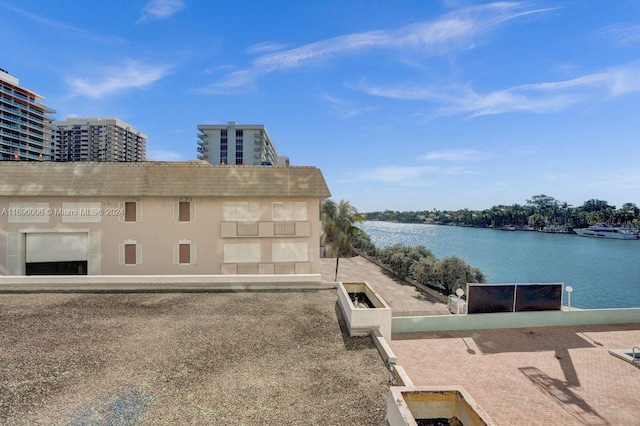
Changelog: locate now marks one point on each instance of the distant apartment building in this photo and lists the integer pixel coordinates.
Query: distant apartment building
(97, 139)
(25, 127)
(236, 144)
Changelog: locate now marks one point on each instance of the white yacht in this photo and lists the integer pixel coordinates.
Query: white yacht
(606, 231)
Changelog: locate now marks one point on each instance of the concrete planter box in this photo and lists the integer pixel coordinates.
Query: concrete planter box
(361, 320)
(405, 405)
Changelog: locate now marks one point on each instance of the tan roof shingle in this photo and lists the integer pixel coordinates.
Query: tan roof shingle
(192, 178)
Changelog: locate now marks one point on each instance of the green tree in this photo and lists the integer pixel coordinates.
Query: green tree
(564, 206)
(339, 230)
(424, 270)
(453, 273)
(400, 257)
(545, 207)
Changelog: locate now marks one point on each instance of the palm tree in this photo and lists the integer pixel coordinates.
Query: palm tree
(565, 209)
(338, 227)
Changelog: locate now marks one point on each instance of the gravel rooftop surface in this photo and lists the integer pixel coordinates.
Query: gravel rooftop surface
(268, 358)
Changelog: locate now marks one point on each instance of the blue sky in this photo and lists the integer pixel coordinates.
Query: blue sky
(404, 105)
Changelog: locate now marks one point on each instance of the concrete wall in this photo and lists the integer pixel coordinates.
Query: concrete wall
(360, 320)
(515, 320)
(406, 404)
(157, 233)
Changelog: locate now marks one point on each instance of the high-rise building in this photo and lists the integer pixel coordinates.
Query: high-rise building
(97, 139)
(25, 127)
(236, 144)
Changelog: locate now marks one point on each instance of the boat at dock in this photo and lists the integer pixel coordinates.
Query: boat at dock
(555, 229)
(607, 231)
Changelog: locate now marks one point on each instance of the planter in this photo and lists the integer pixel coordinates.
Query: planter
(364, 310)
(433, 405)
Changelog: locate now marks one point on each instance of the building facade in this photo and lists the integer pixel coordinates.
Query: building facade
(156, 218)
(236, 144)
(25, 127)
(97, 139)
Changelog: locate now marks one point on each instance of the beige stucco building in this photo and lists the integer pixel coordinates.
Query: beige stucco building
(159, 218)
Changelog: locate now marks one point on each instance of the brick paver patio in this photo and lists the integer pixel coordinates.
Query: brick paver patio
(533, 376)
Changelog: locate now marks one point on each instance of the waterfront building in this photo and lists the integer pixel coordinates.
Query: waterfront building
(236, 144)
(159, 218)
(25, 126)
(97, 139)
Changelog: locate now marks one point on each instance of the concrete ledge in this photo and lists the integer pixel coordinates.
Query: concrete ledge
(627, 355)
(383, 347)
(160, 283)
(401, 376)
(405, 405)
(515, 320)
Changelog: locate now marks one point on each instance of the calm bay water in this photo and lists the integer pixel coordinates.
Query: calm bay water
(603, 273)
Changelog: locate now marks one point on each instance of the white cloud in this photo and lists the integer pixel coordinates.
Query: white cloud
(346, 108)
(620, 35)
(408, 175)
(540, 98)
(393, 174)
(233, 83)
(75, 31)
(456, 30)
(160, 9)
(266, 47)
(131, 75)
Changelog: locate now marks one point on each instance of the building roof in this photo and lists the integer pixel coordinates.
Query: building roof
(97, 121)
(192, 179)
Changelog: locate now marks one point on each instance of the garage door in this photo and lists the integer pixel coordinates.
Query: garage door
(56, 247)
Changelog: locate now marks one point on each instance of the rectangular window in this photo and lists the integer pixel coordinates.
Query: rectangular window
(284, 228)
(241, 211)
(289, 211)
(129, 254)
(28, 213)
(239, 133)
(185, 253)
(289, 252)
(223, 133)
(248, 229)
(184, 211)
(242, 253)
(130, 211)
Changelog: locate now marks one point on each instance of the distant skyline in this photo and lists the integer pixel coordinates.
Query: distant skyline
(410, 105)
